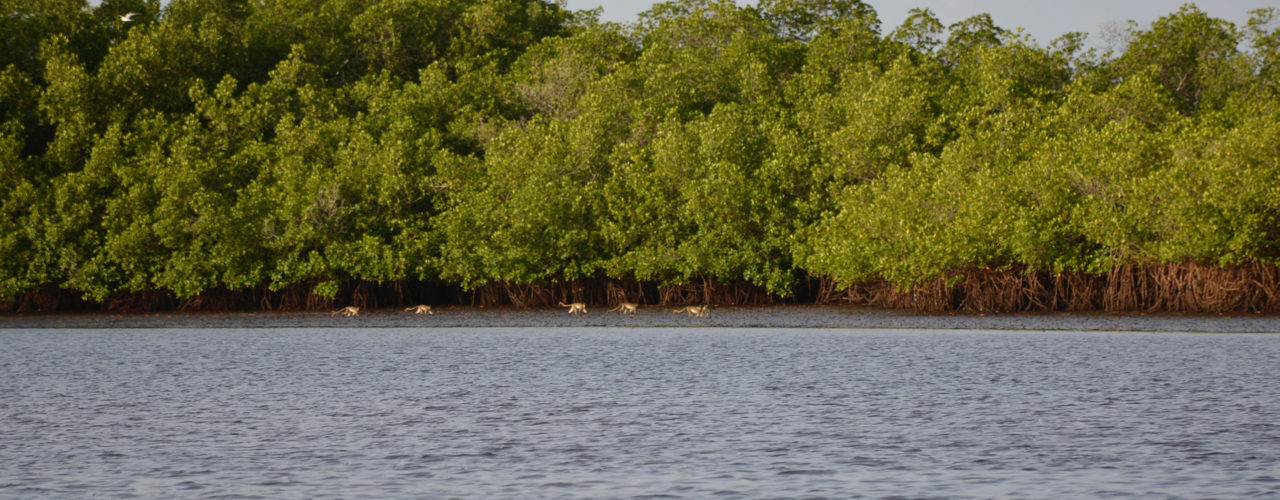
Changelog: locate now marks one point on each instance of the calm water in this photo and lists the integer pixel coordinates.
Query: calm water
(622, 413)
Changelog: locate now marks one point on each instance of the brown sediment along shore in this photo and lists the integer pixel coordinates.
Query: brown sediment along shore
(661, 317)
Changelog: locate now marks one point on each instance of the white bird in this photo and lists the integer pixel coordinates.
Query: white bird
(128, 17)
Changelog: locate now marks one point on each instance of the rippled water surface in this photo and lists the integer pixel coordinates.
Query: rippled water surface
(635, 412)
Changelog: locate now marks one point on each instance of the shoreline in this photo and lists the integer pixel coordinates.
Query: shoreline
(787, 316)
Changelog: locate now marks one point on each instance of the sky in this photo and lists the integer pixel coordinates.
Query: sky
(1044, 20)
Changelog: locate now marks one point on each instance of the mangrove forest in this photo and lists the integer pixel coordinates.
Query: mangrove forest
(307, 154)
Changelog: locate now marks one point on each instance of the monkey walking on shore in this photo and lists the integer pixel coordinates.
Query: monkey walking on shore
(695, 311)
(576, 307)
(626, 308)
(420, 309)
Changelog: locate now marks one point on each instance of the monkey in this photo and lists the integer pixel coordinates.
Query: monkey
(420, 309)
(348, 311)
(576, 307)
(626, 308)
(695, 311)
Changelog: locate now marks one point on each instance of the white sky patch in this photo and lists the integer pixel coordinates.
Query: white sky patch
(1043, 20)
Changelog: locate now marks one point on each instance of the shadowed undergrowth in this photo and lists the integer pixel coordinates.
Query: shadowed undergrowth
(1183, 288)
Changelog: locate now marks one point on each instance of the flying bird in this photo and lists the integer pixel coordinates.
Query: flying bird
(128, 17)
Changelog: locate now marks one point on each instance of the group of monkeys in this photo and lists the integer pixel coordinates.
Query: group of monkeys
(574, 308)
(632, 307)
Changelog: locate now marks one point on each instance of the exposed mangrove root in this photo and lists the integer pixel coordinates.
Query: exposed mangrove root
(827, 291)
(591, 291)
(711, 292)
(1188, 288)
(684, 294)
(933, 296)
(615, 293)
(1075, 292)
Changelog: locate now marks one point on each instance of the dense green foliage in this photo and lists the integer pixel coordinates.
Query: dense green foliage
(231, 144)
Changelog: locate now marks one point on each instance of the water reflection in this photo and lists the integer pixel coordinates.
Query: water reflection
(607, 413)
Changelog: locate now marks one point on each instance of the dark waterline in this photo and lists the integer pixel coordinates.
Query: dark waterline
(634, 412)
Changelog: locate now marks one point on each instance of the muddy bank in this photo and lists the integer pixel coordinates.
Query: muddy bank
(743, 317)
